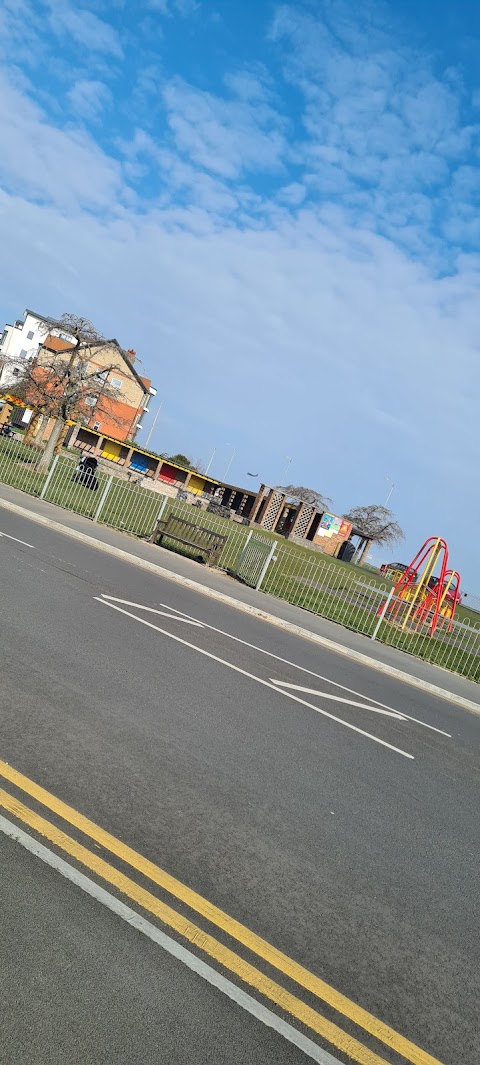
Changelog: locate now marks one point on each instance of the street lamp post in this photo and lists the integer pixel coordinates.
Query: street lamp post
(153, 425)
(229, 463)
(289, 463)
(212, 456)
(391, 491)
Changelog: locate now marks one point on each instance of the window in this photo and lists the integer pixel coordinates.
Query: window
(116, 382)
(96, 425)
(30, 335)
(23, 353)
(90, 401)
(15, 371)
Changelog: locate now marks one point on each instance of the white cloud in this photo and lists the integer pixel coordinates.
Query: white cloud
(227, 137)
(380, 122)
(293, 194)
(162, 6)
(89, 98)
(39, 160)
(290, 275)
(184, 8)
(83, 27)
(248, 85)
(312, 331)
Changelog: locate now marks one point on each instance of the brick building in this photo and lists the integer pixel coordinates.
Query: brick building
(121, 394)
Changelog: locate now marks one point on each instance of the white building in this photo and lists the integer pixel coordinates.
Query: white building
(20, 342)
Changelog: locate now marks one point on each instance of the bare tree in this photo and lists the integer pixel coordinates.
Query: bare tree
(299, 494)
(62, 384)
(375, 525)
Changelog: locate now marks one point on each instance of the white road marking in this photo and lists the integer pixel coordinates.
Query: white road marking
(286, 662)
(170, 946)
(303, 669)
(339, 699)
(152, 610)
(17, 540)
(252, 676)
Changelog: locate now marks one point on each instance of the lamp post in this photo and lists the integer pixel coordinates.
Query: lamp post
(229, 463)
(212, 456)
(153, 425)
(391, 491)
(289, 463)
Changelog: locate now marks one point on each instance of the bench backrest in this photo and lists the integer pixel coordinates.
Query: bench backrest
(195, 534)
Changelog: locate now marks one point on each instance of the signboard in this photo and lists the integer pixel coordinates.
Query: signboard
(333, 525)
(13, 399)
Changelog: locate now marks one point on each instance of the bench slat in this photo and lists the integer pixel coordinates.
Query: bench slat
(207, 541)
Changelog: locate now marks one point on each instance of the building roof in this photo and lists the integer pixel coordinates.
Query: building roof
(57, 344)
(41, 317)
(53, 343)
(123, 354)
(144, 382)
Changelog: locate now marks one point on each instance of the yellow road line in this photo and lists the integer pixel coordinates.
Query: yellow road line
(216, 916)
(195, 935)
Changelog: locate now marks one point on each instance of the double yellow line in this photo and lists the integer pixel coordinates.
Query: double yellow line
(202, 940)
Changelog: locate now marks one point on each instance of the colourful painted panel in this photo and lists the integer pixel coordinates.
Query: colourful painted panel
(168, 473)
(196, 484)
(139, 462)
(111, 450)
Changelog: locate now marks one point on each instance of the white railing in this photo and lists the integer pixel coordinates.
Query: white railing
(18, 466)
(343, 593)
(324, 586)
(454, 646)
(337, 591)
(256, 556)
(103, 497)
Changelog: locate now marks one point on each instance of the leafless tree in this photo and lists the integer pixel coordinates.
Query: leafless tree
(375, 525)
(62, 384)
(299, 494)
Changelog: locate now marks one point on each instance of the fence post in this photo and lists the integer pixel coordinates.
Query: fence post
(266, 565)
(49, 476)
(243, 551)
(162, 510)
(103, 498)
(382, 613)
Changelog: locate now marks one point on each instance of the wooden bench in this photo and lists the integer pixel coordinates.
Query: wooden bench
(206, 541)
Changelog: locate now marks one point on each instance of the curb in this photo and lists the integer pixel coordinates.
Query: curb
(228, 600)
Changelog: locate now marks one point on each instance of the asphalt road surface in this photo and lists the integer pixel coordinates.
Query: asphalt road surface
(320, 822)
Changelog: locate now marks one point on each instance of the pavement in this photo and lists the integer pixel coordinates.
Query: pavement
(255, 784)
(219, 585)
(97, 991)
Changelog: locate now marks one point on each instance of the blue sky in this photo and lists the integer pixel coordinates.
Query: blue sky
(277, 206)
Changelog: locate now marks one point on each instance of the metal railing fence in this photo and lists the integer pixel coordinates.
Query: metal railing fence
(346, 595)
(342, 593)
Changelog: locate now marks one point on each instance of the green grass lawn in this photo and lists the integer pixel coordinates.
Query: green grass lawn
(127, 506)
(338, 591)
(18, 466)
(442, 650)
(131, 508)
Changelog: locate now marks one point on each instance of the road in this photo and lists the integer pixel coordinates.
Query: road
(316, 808)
